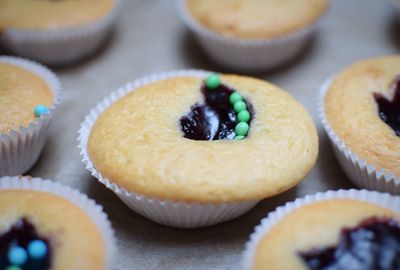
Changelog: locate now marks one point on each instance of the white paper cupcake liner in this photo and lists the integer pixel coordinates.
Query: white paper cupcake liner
(20, 148)
(247, 55)
(360, 172)
(172, 213)
(60, 46)
(381, 199)
(93, 210)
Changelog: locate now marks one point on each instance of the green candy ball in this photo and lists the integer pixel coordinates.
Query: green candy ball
(235, 97)
(242, 129)
(213, 81)
(13, 267)
(243, 116)
(239, 137)
(239, 106)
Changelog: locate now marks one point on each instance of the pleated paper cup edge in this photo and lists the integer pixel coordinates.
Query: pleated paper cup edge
(20, 141)
(345, 151)
(77, 198)
(273, 218)
(81, 40)
(91, 118)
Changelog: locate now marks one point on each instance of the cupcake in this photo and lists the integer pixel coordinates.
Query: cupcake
(358, 230)
(252, 34)
(191, 148)
(360, 110)
(63, 230)
(55, 32)
(29, 93)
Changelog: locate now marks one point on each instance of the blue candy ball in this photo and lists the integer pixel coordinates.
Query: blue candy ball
(37, 249)
(17, 256)
(41, 110)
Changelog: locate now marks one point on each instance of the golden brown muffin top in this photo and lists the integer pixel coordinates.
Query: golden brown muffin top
(138, 143)
(20, 92)
(353, 113)
(317, 225)
(75, 240)
(51, 14)
(256, 19)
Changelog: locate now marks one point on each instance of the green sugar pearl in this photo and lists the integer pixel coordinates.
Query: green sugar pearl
(243, 116)
(239, 106)
(241, 129)
(239, 137)
(235, 97)
(13, 267)
(213, 81)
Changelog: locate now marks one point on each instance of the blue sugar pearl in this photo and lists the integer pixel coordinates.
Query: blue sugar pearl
(41, 110)
(37, 249)
(17, 255)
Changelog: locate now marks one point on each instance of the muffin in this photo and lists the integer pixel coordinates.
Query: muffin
(29, 93)
(200, 141)
(336, 230)
(64, 229)
(55, 32)
(252, 34)
(360, 110)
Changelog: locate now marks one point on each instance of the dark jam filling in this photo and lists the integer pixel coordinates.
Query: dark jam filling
(389, 110)
(21, 234)
(214, 119)
(373, 245)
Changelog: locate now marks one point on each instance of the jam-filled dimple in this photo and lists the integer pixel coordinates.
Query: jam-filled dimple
(389, 109)
(21, 247)
(373, 245)
(221, 116)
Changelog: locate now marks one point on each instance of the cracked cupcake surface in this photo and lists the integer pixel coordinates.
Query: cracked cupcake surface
(138, 143)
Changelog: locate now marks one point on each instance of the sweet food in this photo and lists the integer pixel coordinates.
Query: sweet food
(154, 158)
(24, 96)
(29, 94)
(153, 141)
(56, 233)
(50, 14)
(255, 19)
(359, 111)
(56, 32)
(252, 35)
(353, 93)
(334, 230)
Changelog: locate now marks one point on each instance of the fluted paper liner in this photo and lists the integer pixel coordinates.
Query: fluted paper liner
(167, 212)
(87, 205)
(63, 45)
(20, 148)
(381, 199)
(247, 55)
(360, 172)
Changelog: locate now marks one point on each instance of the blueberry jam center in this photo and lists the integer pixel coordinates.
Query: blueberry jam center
(373, 245)
(214, 119)
(21, 234)
(389, 110)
